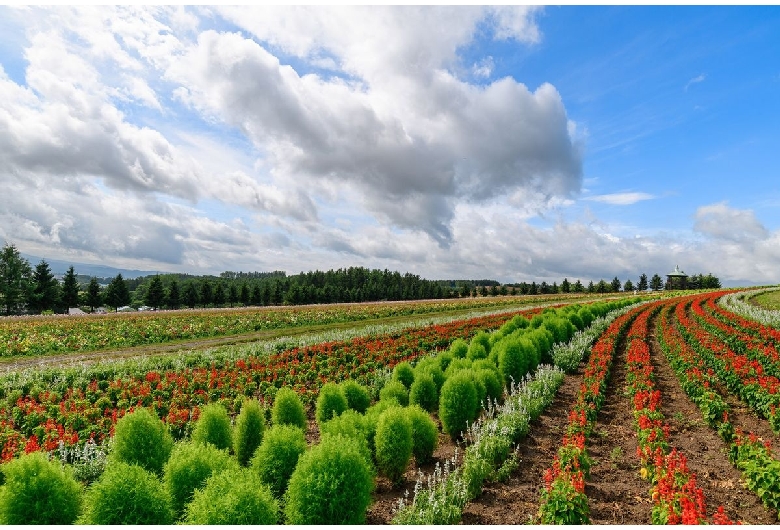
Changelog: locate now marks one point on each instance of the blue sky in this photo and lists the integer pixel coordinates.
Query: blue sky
(514, 143)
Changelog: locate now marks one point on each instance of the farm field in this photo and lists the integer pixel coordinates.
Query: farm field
(622, 412)
(49, 335)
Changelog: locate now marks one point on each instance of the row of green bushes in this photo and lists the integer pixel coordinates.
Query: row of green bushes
(270, 473)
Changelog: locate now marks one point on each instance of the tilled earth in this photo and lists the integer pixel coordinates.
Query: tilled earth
(616, 493)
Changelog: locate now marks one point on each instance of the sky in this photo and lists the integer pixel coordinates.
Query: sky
(507, 142)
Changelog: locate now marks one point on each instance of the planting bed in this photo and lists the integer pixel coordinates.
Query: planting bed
(672, 416)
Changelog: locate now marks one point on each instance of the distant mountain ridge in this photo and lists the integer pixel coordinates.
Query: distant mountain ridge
(59, 267)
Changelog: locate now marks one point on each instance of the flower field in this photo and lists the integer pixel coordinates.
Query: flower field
(671, 416)
(42, 335)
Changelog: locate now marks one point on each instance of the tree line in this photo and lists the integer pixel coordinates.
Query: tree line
(24, 289)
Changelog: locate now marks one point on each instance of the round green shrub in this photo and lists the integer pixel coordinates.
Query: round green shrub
(493, 387)
(372, 418)
(248, 432)
(424, 392)
(127, 494)
(456, 366)
(351, 424)
(458, 403)
(482, 338)
(395, 390)
(232, 497)
(536, 321)
(404, 373)
(458, 349)
(481, 390)
(331, 484)
(543, 340)
(486, 364)
(393, 443)
(512, 361)
(476, 351)
(213, 427)
(38, 491)
(330, 403)
(188, 468)
(520, 322)
(445, 358)
(576, 321)
(586, 316)
(425, 435)
(276, 458)
(432, 369)
(288, 409)
(142, 438)
(357, 396)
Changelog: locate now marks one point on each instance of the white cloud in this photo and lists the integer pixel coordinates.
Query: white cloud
(698, 79)
(720, 221)
(621, 199)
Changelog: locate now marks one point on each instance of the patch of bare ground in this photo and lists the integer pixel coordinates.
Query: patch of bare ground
(703, 448)
(516, 501)
(616, 493)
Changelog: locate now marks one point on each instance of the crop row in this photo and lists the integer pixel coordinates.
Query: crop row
(58, 334)
(752, 456)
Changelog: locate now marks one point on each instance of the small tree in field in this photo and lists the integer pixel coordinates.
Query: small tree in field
(628, 286)
(642, 285)
(615, 284)
(656, 283)
(155, 294)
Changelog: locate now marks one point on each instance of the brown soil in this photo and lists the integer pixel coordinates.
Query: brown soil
(616, 493)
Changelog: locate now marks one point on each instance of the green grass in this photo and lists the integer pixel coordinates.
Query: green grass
(770, 300)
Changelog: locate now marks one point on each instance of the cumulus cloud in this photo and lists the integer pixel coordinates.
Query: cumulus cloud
(413, 143)
(722, 222)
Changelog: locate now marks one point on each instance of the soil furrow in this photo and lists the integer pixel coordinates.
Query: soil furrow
(616, 493)
(705, 451)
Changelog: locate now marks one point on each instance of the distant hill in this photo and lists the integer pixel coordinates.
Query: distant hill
(59, 268)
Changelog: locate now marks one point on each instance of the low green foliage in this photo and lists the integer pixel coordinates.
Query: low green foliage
(424, 392)
(354, 425)
(232, 497)
(493, 387)
(288, 409)
(395, 390)
(458, 403)
(330, 402)
(248, 432)
(332, 484)
(38, 491)
(393, 442)
(213, 427)
(278, 454)
(142, 438)
(127, 494)
(458, 349)
(357, 396)
(188, 468)
(425, 435)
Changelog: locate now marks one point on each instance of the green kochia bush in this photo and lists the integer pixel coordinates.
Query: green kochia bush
(493, 387)
(213, 427)
(332, 484)
(276, 458)
(459, 349)
(458, 403)
(142, 438)
(395, 390)
(372, 418)
(127, 494)
(404, 373)
(424, 392)
(38, 491)
(331, 402)
(479, 348)
(393, 442)
(248, 432)
(431, 367)
(188, 468)
(288, 409)
(425, 435)
(357, 396)
(235, 496)
(351, 424)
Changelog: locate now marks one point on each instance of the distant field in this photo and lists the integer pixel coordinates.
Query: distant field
(770, 300)
(35, 336)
